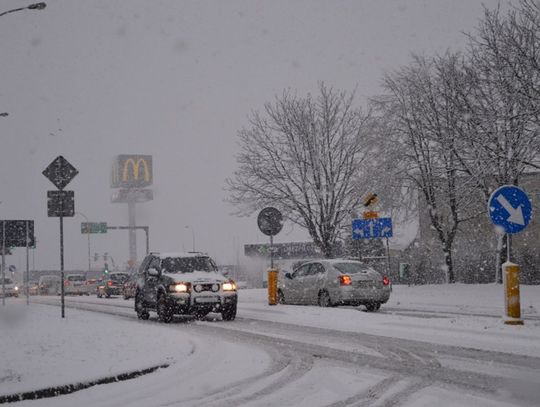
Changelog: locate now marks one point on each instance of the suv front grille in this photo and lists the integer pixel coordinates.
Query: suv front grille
(199, 288)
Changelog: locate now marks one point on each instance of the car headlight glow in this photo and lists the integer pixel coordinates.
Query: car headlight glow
(229, 286)
(179, 288)
(16, 288)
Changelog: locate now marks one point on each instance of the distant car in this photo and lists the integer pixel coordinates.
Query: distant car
(92, 285)
(129, 288)
(33, 288)
(10, 287)
(75, 284)
(335, 282)
(112, 284)
(185, 284)
(49, 285)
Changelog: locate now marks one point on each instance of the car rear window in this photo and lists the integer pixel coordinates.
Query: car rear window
(75, 278)
(352, 268)
(119, 277)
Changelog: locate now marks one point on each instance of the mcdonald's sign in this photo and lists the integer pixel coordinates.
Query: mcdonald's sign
(131, 171)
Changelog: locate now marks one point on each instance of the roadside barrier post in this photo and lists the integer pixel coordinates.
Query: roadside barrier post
(272, 286)
(511, 294)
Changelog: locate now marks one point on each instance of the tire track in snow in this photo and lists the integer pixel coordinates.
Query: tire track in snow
(404, 358)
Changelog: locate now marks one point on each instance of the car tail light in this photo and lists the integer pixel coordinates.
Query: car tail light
(345, 280)
(66, 283)
(385, 280)
(109, 283)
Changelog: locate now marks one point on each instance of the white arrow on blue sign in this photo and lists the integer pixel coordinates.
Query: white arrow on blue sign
(510, 208)
(371, 228)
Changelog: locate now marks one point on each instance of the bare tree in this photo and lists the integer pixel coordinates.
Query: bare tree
(423, 118)
(304, 155)
(502, 140)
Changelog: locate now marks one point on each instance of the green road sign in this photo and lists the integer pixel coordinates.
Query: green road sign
(93, 227)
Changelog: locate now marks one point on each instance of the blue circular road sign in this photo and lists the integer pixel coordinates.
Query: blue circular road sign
(510, 208)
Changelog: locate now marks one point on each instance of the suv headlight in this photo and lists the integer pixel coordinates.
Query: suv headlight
(179, 288)
(229, 286)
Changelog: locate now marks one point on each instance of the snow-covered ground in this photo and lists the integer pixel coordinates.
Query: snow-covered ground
(39, 349)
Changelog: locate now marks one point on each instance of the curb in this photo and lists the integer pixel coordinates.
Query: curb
(71, 388)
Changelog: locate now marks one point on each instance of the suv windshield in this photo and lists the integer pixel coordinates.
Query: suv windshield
(7, 281)
(187, 264)
(351, 268)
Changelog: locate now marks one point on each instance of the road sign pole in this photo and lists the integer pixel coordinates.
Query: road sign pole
(62, 259)
(60, 172)
(387, 258)
(510, 209)
(508, 245)
(272, 252)
(3, 263)
(89, 255)
(27, 283)
(147, 231)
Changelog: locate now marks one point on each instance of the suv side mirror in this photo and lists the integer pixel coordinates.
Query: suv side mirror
(153, 272)
(288, 275)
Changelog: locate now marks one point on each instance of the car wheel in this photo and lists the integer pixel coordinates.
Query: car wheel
(142, 312)
(229, 313)
(373, 306)
(324, 299)
(164, 311)
(280, 297)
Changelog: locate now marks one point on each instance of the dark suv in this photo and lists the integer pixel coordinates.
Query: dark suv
(183, 283)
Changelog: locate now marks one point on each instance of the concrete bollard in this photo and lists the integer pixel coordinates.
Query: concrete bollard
(511, 294)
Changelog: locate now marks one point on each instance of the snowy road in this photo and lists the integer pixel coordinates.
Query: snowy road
(335, 361)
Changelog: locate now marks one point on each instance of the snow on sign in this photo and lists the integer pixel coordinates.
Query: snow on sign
(510, 208)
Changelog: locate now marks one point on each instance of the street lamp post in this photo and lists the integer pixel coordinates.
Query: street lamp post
(35, 6)
(88, 236)
(192, 236)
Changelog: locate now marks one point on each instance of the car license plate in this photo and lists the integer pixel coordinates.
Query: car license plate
(206, 300)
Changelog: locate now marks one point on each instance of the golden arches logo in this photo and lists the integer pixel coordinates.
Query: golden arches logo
(135, 165)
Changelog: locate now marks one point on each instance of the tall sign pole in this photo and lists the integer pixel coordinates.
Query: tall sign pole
(27, 282)
(131, 175)
(3, 263)
(132, 232)
(61, 203)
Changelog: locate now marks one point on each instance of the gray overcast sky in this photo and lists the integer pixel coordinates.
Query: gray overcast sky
(176, 79)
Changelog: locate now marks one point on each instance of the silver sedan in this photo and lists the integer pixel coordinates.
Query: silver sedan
(335, 282)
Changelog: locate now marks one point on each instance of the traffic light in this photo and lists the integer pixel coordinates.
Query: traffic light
(106, 270)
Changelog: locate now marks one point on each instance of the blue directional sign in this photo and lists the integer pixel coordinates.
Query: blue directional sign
(510, 208)
(371, 228)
